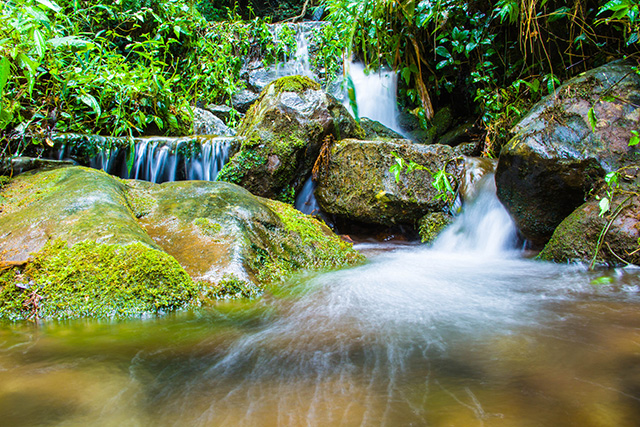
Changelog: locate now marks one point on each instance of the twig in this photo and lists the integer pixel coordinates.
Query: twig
(295, 18)
(615, 254)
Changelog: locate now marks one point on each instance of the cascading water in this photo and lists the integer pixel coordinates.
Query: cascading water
(162, 159)
(375, 94)
(305, 200)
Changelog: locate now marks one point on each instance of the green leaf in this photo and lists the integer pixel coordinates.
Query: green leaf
(442, 51)
(593, 121)
(90, 101)
(634, 140)
(72, 43)
(604, 206)
(5, 70)
(604, 280)
(38, 38)
(50, 5)
(131, 156)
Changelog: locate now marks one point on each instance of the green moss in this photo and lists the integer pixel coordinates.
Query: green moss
(140, 202)
(207, 227)
(294, 84)
(230, 287)
(242, 163)
(431, 225)
(26, 189)
(308, 245)
(90, 279)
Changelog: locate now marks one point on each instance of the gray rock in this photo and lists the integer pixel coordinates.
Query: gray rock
(555, 157)
(374, 129)
(206, 123)
(243, 100)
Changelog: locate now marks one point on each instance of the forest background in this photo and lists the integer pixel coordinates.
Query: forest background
(137, 67)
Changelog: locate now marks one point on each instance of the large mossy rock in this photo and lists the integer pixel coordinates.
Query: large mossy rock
(617, 232)
(283, 132)
(555, 157)
(357, 185)
(76, 242)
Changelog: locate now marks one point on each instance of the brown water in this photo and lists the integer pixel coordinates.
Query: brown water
(496, 343)
(465, 333)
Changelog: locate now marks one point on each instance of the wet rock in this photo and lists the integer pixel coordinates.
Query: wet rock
(223, 112)
(374, 129)
(283, 133)
(555, 157)
(218, 230)
(432, 224)
(18, 165)
(243, 100)
(458, 135)
(85, 255)
(357, 184)
(206, 123)
(576, 238)
(88, 244)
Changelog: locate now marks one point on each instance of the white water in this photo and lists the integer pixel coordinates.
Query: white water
(376, 94)
(160, 159)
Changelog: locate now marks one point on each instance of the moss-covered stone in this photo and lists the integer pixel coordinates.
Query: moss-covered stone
(357, 184)
(283, 132)
(90, 279)
(432, 224)
(576, 238)
(77, 242)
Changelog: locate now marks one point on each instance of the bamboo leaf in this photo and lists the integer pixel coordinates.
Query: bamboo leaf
(90, 101)
(593, 121)
(38, 38)
(5, 70)
(50, 5)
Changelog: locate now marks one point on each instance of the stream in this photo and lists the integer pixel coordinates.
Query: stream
(466, 332)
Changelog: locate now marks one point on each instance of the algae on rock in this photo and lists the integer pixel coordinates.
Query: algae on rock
(77, 242)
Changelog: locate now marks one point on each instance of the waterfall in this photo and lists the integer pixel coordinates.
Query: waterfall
(305, 200)
(298, 64)
(154, 159)
(375, 95)
(484, 227)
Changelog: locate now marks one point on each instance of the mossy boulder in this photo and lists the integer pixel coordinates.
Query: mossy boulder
(220, 230)
(77, 242)
(283, 132)
(576, 238)
(80, 251)
(565, 144)
(357, 184)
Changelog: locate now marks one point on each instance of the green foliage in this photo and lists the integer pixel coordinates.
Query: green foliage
(441, 178)
(119, 68)
(492, 59)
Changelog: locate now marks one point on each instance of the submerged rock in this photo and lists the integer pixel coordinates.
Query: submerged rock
(357, 184)
(76, 242)
(556, 155)
(283, 133)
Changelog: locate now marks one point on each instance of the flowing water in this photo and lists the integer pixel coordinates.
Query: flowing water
(160, 159)
(463, 333)
(375, 94)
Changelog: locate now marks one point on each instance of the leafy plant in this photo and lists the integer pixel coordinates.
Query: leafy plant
(441, 178)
